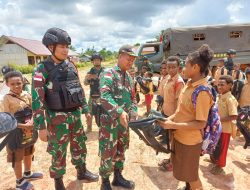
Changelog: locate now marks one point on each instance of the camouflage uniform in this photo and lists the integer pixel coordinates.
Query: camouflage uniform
(94, 96)
(117, 95)
(63, 127)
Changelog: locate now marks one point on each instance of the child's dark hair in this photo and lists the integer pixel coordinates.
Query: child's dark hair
(12, 74)
(202, 57)
(150, 74)
(164, 62)
(174, 58)
(247, 71)
(229, 79)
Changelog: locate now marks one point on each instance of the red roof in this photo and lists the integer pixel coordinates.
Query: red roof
(34, 46)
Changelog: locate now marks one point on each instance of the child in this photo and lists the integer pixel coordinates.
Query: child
(163, 77)
(227, 106)
(14, 101)
(237, 73)
(149, 96)
(244, 97)
(188, 121)
(171, 92)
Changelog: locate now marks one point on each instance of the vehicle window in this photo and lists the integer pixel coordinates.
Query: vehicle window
(235, 34)
(150, 50)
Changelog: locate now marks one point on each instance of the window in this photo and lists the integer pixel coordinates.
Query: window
(199, 36)
(150, 50)
(235, 34)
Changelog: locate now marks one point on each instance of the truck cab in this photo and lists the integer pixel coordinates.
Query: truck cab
(150, 54)
(184, 40)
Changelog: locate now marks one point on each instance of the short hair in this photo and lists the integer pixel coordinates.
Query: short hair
(229, 79)
(150, 74)
(174, 58)
(247, 71)
(12, 74)
(164, 62)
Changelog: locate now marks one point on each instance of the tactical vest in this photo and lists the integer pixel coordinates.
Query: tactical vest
(229, 64)
(66, 94)
(94, 83)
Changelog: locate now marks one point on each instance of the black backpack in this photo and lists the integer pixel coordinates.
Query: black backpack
(237, 87)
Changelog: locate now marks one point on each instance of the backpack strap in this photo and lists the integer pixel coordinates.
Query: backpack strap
(19, 99)
(198, 90)
(237, 75)
(222, 71)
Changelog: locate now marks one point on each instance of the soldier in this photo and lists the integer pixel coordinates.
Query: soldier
(58, 101)
(229, 64)
(119, 106)
(92, 79)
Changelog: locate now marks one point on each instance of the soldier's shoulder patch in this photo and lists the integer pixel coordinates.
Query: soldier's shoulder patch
(38, 76)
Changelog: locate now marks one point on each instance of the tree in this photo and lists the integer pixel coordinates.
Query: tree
(137, 44)
(72, 48)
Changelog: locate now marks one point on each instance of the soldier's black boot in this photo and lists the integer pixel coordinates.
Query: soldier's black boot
(106, 184)
(120, 181)
(84, 174)
(59, 184)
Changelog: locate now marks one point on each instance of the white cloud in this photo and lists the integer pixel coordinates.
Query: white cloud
(109, 24)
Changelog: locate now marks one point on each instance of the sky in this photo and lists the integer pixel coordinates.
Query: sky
(112, 23)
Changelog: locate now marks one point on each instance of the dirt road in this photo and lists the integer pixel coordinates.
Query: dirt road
(140, 166)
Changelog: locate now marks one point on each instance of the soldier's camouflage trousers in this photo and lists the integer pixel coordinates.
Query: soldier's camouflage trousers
(94, 110)
(113, 142)
(65, 129)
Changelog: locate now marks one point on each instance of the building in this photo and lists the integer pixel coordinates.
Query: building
(21, 51)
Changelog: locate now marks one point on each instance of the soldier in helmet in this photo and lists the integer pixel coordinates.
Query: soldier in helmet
(119, 107)
(92, 79)
(58, 101)
(229, 64)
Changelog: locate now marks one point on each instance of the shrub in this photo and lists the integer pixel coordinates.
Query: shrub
(24, 69)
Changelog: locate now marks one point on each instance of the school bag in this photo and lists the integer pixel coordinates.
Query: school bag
(213, 128)
(243, 122)
(7, 125)
(144, 88)
(237, 86)
(18, 137)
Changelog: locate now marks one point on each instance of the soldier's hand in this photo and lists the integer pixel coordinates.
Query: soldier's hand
(124, 119)
(30, 124)
(89, 77)
(88, 118)
(43, 135)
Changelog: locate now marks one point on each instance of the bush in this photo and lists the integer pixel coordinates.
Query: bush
(24, 69)
(83, 64)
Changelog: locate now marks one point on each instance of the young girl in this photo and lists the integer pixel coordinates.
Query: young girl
(189, 121)
(17, 100)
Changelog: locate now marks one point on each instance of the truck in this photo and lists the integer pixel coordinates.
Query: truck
(181, 41)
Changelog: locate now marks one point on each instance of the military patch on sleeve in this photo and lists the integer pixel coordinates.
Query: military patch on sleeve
(38, 77)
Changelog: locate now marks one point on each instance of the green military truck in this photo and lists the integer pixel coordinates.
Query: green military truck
(184, 40)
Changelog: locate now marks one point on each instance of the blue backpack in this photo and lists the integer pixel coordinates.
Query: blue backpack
(213, 128)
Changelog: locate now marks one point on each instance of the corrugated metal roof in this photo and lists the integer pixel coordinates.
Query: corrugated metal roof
(34, 46)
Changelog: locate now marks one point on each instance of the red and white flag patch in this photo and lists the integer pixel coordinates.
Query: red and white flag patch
(38, 77)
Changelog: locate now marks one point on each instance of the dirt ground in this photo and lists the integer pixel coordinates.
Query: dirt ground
(140, 166)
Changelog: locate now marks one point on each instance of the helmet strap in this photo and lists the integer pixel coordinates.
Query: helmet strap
(54, 55)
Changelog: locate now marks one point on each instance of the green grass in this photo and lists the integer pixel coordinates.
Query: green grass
(26, 70)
